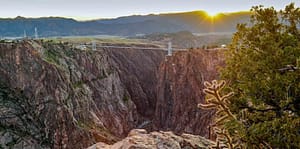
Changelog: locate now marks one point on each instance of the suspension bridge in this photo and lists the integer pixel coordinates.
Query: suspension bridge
(169, 47)
(94, 46)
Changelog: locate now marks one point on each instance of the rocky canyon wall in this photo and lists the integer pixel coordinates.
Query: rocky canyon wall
(179, 90)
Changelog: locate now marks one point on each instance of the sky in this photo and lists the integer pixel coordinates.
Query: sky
(99, 9)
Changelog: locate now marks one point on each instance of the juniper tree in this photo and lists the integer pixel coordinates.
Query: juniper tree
(261, 68)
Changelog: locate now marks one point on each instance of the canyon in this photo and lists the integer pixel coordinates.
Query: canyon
(53, 95)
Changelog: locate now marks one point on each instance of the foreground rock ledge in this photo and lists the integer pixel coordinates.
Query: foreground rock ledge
(141, 139)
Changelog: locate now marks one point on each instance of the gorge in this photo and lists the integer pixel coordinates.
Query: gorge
(53, 95)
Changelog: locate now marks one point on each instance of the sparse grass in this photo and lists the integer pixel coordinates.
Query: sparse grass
(78, 84)
(100, 77)
(69, 52)
(102, 133)
(52, 56)
(125, 98)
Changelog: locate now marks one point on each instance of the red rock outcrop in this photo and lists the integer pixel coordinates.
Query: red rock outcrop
(141, 139)
(179, 90)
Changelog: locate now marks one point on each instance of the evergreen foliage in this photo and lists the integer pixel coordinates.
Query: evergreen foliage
(262, 69)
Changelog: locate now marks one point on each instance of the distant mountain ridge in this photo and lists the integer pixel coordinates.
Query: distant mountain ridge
(195, 21)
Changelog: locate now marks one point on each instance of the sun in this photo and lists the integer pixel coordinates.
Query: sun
(212, 14)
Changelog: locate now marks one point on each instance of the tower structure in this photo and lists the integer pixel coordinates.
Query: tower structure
(36, 33)
(169, 48)
(94, 46)
(25, 35)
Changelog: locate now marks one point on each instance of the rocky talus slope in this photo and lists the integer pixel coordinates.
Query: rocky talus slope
(53, 95)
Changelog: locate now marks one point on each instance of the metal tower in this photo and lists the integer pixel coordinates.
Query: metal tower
(170, 48)
(94, 46)
(36, 33)
(25, 35)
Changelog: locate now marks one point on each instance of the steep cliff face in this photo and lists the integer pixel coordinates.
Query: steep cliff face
(138, 69)
(67, 97)
(179, 90)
